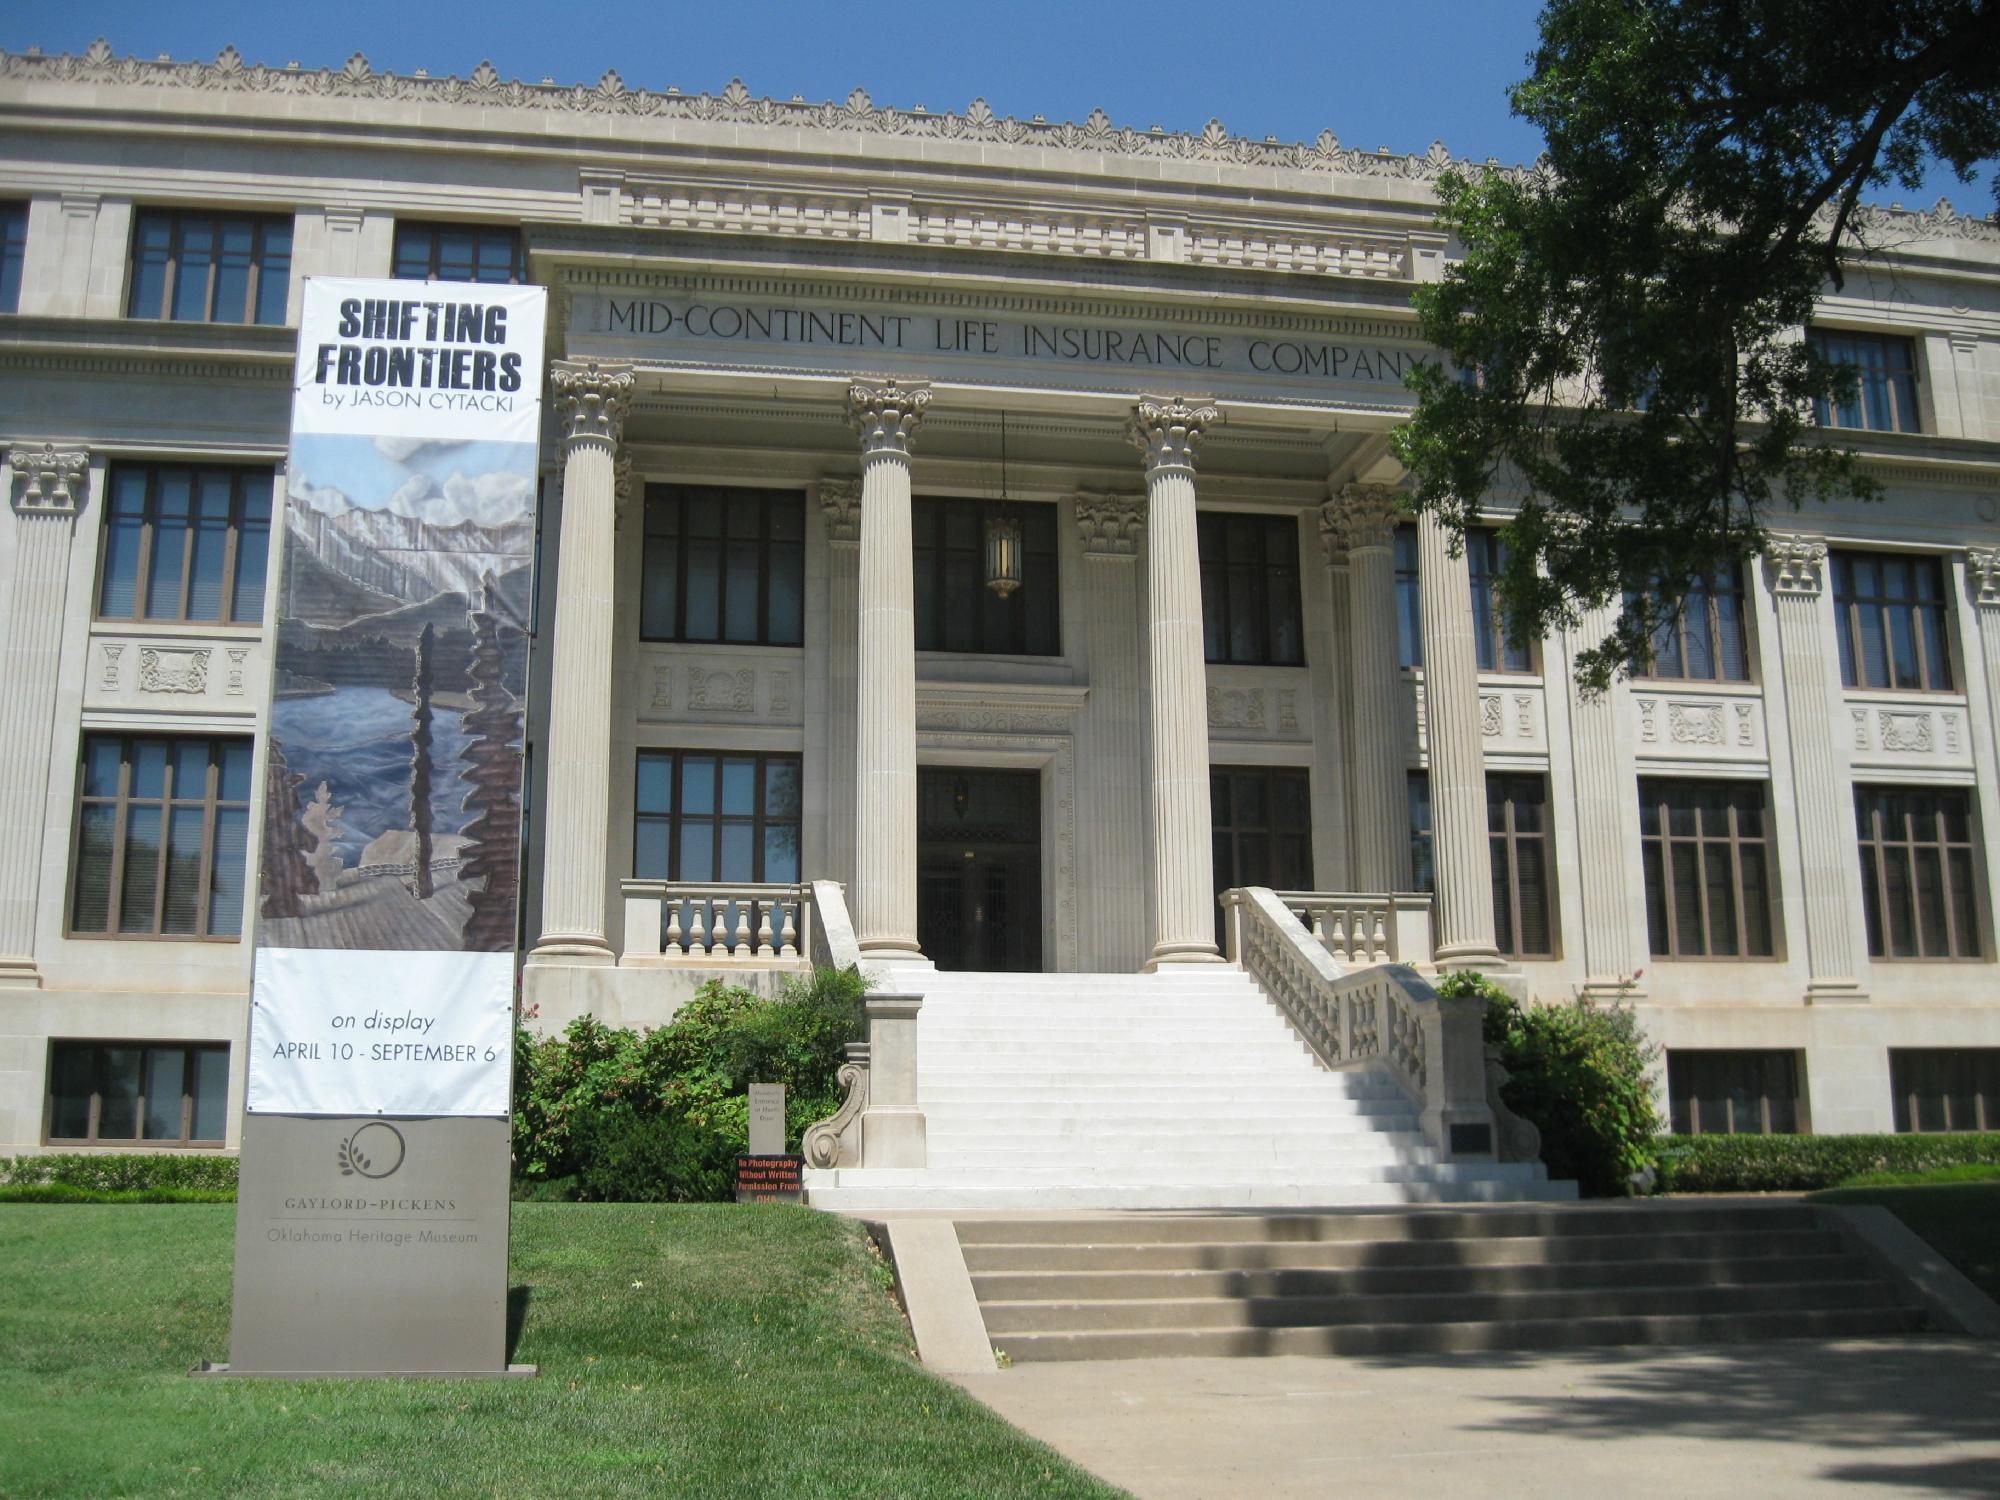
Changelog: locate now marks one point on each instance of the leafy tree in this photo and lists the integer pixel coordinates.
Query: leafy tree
(1623, 333)
(493, 769)
(284, 872)
(420, 761)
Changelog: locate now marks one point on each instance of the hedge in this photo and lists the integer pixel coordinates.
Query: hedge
(205, 1173)
(1805, 1163)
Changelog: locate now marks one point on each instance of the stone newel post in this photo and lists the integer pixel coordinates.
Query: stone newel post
(1167, 430)
(887, 414)
(1364, 520)
(49, 484)
(592, 399)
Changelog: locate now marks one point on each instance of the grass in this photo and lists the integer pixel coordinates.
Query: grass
(1936, 1176)
(1959, 1217)
(691, 1351)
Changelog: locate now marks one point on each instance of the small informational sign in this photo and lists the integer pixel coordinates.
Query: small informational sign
(770, 1179)
(767, 1119)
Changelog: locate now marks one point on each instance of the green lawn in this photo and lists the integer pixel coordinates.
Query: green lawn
(1961, 1220)
(684, 1351)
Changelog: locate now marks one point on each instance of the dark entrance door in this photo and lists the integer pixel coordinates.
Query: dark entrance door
(979, 868)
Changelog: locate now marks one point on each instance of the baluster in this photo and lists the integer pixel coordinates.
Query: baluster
(1339, 945)
(674, 949)
(698, 929)
(740, 948)
(1380, 945)
(764, 948)
(788, 940)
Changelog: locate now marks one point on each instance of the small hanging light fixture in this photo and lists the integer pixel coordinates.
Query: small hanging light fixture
(1003, 533)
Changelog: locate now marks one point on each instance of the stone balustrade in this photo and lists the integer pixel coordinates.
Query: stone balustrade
(1360, 930)
(671, 921)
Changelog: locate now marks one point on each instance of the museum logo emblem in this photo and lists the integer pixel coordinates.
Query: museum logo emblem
(375, 1150)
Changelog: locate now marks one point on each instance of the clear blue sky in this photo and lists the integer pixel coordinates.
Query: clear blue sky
(1398, 74)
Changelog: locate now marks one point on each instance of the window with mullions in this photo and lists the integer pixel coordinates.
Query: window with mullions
(1250, 589)
(173, 1095)
(1733, 1093)
(723, 565)
(185, 543)
(162, 829)
(955, 609)
(1706, 849)
(1945, 1088)
(1423, 868)
(1485, 556)
(13, 253)
(459, 252)
(1917, 885)
(1262, 820)
(1885, 369)
(707, 815)
(1517, 825)
(1706, 640)
(1889, 614)
(200, 267)
(1409, 600)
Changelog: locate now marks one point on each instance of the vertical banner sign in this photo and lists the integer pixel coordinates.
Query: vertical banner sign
(372, 1218)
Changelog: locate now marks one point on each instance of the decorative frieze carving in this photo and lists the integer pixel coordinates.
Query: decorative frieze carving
(1649, 733)
(591, 399)
(980, 720)
(112, 653)
(1524, 715)
(1288, 710)
(1797, 564)
(1695, 723)
(164, 669)
(663, 689)
(1909, 733)
(1746, 729)
(1235, 708)
(781, 692)
(1384, 257)
(712, 690)
(46, 479)
(233, 682)
(744, 209)
(1363, 516)
(1167, 429)
(1037, 229)
(887, 413)
(1489, 715)
(1110, 524)
(840, 503)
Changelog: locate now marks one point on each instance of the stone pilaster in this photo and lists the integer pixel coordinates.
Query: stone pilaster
(1604, 775)
(1333, 735)
(887, 414)
(1362, 521)
(48, 485)
(840, 506)
(1462, 856)
(1111, 527)
(1822, 799)
(1981, 634)
(590, 400)
(1167, 430)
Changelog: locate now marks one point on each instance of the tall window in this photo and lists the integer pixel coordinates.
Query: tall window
(1946, 1088)
(1485, 556)
(162, 829)
(185, 543)
(1409, 600)
(723, 565)
(1423, 869)
(459, 252)
(955, 609)
(1250, 589)
(1706, 641)
(201, 267)
(705, 815)
(1707, 859)
(1733, 1093)
(1885, 396)
(1889, 611)
(1517, 824)
(1916, 872)
(13, 253)
(1262, 818)
(175, 1094)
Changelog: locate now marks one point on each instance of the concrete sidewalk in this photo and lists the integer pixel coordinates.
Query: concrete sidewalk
(1916, 1416)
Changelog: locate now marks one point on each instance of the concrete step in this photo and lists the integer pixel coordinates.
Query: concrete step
(1643, 1220)
(825, 1190)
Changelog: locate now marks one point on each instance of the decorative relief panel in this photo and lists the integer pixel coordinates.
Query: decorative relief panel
(1236, 708)
(176, 674)
(1691, 727)
(1247, 703)
(674, 684)
(1900, 735)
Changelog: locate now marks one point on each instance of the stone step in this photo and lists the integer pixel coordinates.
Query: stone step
(1595, 1220)
(1214, 1154)
(965, 1195)
(1465, 1338)
(1303, 1090)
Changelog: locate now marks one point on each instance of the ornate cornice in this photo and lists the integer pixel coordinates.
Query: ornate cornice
(1870, 221)
(1361, 516)
(887, 413)
(840, 503)
(1167, 429)
(1982, 567)
(1797, 564)
(1110, 524)
(46, 479)
(592, 399)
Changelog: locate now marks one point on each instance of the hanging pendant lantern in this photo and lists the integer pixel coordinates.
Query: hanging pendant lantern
(1003, 533)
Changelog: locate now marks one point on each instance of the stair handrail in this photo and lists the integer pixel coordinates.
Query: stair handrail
(833, 944)
(1384, 1017)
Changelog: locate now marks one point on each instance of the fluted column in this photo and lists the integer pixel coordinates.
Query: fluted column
(1462, 856)
(1113, 780)
(591, 400)
(887, 414)
(48, 486)
(840, 504)
(1982, 575)
(1363, 521)
(1167, 430)
(1821, 798)
(1603, 776)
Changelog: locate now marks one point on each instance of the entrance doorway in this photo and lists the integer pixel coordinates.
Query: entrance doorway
(979, 868)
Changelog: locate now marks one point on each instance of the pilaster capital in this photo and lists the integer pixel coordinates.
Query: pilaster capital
(1110, 524)
(1167, 429)
(47, 479)
(1361, 516)
(840, 503)
(887, 413)
(1982, 569)
(1796, 564)
(592, 398)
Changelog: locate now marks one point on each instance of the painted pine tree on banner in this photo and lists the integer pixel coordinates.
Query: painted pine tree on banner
(420, 762)
(493, 767)
(284, 874)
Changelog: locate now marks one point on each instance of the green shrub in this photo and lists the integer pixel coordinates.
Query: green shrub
(126, 1172)
(1580, 1073)
(1804, 1163)
(63, 1192)
(652, 1158)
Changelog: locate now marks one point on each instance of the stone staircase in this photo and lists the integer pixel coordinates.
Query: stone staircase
(1123, 1286)
(1179, 1090)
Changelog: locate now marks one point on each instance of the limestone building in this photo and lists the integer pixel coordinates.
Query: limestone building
(993, 516)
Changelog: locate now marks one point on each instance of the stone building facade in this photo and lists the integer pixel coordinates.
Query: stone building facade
(818, 373)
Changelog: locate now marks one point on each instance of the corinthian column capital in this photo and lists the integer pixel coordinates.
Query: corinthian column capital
(1982, 566)
(886, 413)
(1797, 564)
(1167, 429)
(1110, 524)
(47, 479)
(1362, 516)
(592, 399)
